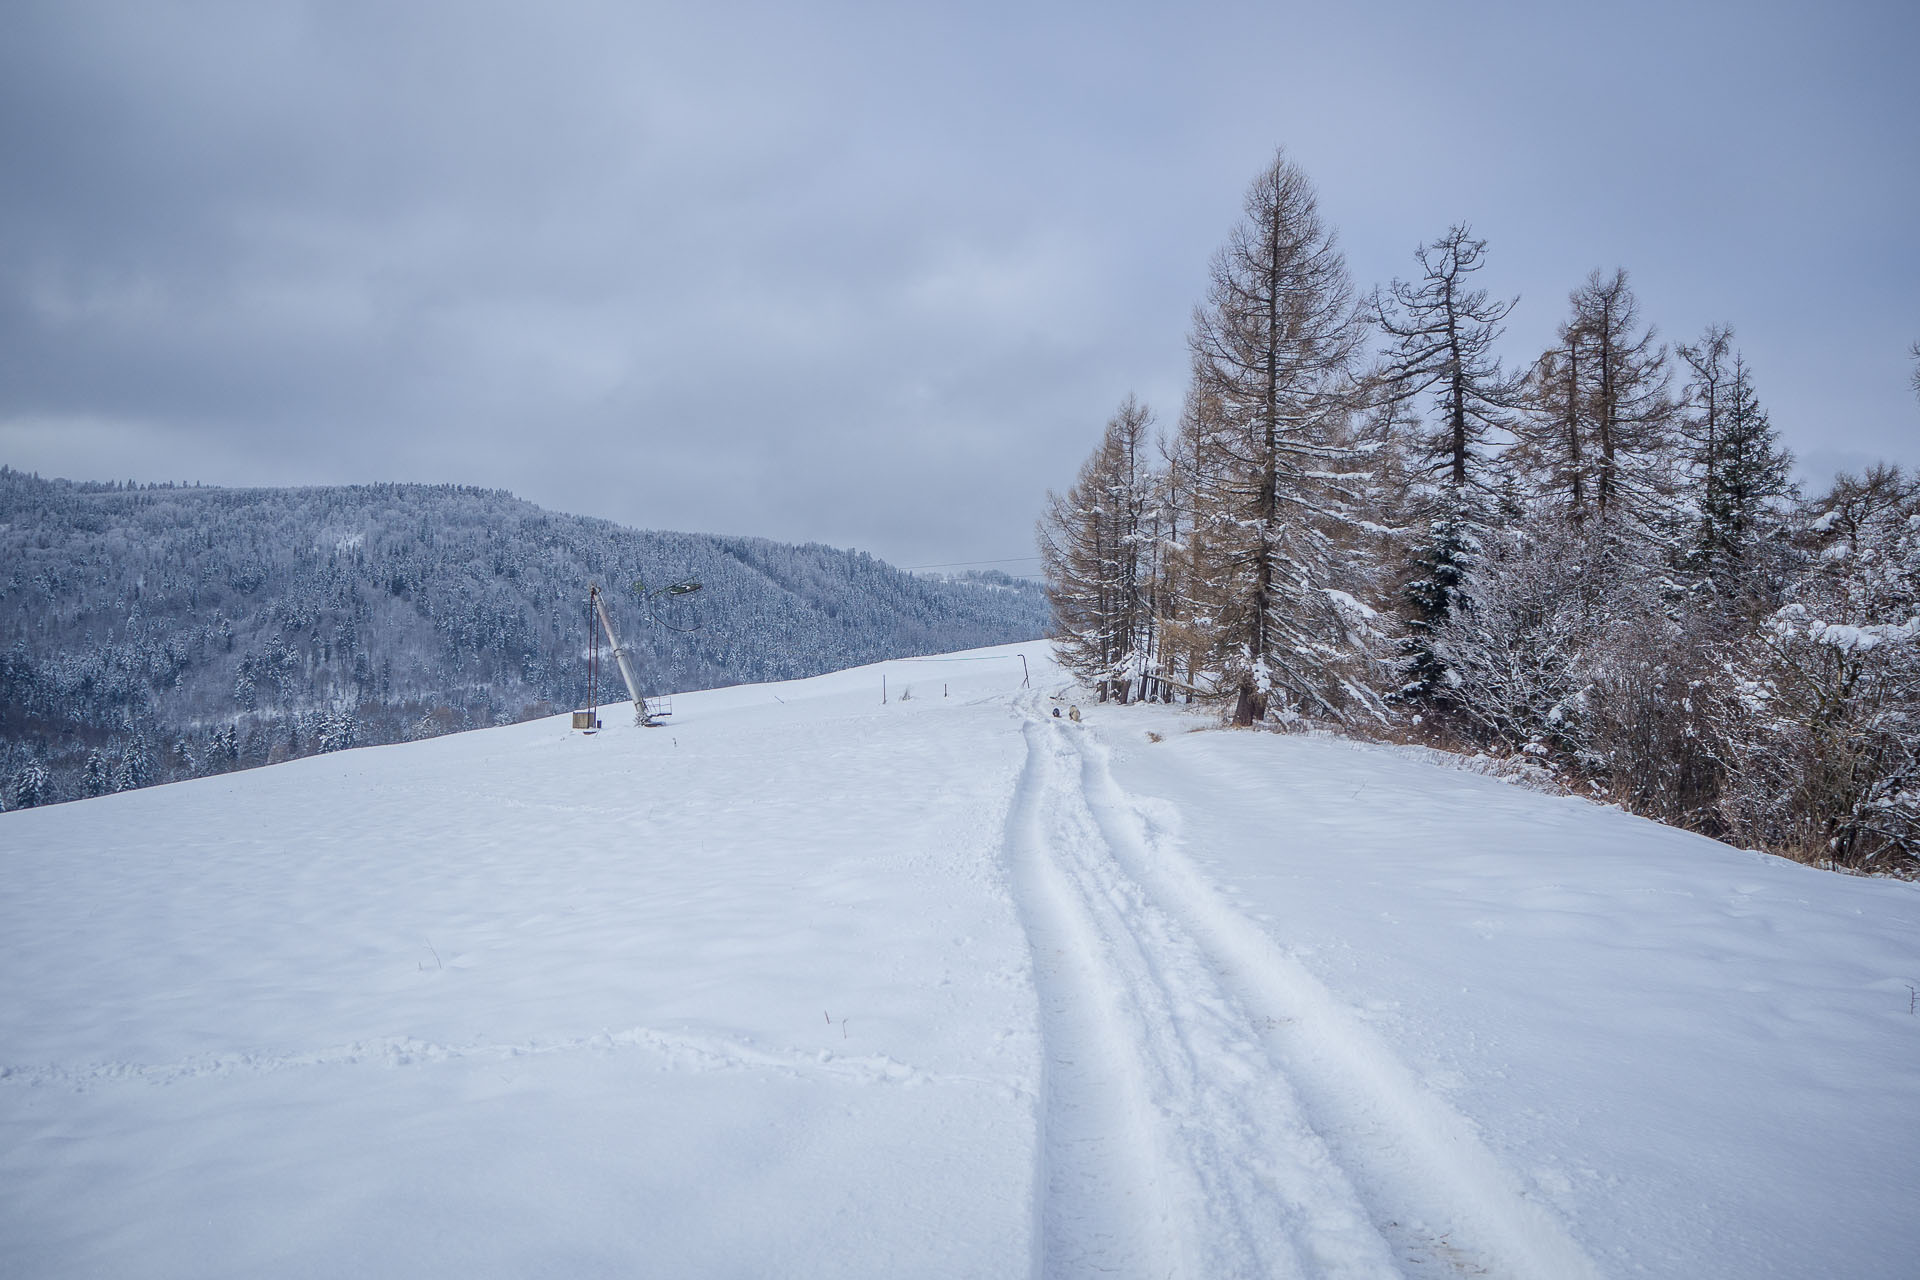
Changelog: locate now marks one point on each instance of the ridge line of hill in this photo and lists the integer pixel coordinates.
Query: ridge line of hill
(156, 632)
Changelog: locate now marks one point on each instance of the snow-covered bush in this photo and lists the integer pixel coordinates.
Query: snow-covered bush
(1826, 758)
(1514, 647)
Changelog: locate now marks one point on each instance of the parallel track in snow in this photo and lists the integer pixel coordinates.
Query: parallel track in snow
(1207, 1107)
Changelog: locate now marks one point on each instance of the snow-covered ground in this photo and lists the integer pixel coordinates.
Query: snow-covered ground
(808, 985)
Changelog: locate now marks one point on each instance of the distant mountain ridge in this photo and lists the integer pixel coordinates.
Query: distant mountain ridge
(149, 633)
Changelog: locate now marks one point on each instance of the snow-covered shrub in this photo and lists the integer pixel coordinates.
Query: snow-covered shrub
(1514, 646)
(1825, 760)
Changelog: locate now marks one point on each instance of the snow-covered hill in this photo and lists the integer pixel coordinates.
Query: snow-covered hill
(812, 985)
(152, 634)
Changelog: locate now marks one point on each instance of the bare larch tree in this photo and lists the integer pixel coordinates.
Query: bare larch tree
(1274, 345)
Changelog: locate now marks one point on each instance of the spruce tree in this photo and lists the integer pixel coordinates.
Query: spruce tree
(98, 777)
(1741, 477)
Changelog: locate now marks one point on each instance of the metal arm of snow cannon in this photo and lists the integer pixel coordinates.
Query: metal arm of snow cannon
(641, 715)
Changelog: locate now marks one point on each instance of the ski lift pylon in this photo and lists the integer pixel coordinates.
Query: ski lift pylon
(647, 714)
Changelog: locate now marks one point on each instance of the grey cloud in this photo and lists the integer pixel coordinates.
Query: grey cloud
(867, 275)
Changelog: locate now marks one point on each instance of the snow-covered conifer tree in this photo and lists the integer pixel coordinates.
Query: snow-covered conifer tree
(98, 777)
(1274, 345)
(1187, 597)
(1597, 439)
(1098, 551)
(1440, 335)
(1741, 479)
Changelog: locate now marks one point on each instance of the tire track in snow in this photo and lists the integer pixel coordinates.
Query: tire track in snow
(1168, 1145)
(1435, 1190)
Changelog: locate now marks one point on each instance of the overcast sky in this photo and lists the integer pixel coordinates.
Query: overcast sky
(874, 275)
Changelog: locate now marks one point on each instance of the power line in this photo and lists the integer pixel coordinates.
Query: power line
(961, 564)
(991, 657)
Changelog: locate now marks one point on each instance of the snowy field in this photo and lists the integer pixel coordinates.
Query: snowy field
(807, 985)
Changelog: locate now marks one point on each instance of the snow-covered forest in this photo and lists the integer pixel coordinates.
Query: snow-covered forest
(151, 633)
(1592, 559)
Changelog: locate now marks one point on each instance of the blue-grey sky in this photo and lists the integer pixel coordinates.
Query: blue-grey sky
(875, 275)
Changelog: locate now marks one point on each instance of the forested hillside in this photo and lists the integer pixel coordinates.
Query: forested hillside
(149, 633)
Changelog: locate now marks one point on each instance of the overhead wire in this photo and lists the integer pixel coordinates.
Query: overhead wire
(961, 564)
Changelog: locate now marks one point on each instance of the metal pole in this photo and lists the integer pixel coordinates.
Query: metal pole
(620, 656)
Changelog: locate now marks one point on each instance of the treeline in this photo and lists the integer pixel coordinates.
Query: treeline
(1597, 559)
(152, 633)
